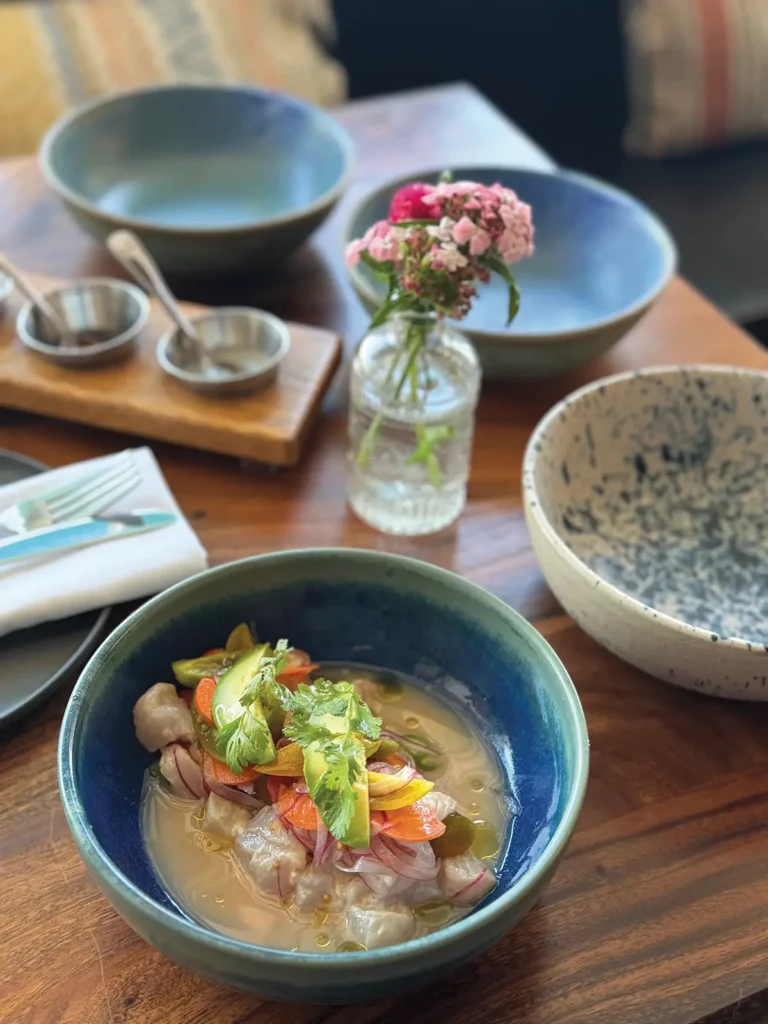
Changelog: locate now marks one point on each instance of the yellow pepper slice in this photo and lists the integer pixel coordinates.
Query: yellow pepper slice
(289, 761)
(403, 797)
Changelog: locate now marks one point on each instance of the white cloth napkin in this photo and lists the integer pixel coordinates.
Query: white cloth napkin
(70, 582)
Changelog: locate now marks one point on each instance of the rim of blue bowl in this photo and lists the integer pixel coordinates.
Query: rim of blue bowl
(530, 459)
(101, 865)
(52, 178)
(363, 287)
(6, 287)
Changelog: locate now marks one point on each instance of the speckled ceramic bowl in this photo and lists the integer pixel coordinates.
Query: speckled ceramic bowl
(646, 497)
(455, 639)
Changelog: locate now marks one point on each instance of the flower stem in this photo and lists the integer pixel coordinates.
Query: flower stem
(414, 342)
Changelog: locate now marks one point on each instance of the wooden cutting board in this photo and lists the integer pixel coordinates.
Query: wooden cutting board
(137, 397)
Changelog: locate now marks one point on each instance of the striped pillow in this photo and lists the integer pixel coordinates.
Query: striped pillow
(698, 73)
(58, 53)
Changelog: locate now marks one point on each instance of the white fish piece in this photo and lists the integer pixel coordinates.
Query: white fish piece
(466, 879)
(270, 854)
(310, 885)
(440, 803)
(161, 717)
(375, 928)
(224, 818)
(182, 774)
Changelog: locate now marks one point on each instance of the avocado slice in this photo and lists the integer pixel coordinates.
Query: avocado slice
(230, 688)
(358, 833)
(206, 734)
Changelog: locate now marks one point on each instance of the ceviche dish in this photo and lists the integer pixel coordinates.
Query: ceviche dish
(332, 808)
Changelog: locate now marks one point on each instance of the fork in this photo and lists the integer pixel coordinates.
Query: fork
(88, 495)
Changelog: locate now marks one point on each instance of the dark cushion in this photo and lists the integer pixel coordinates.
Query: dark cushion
(716, 206)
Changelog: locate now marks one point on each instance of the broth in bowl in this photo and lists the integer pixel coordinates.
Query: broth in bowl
(331, 808)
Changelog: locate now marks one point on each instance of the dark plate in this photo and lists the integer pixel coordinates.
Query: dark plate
(37, 660)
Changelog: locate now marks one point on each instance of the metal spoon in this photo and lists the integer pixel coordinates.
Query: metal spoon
(65, 335)
(130, 251)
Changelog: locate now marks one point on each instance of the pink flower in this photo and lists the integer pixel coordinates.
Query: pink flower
(411, 203)
(451, 258)
(464, 230)
(383, 249)
(352, 255)
(479, 242)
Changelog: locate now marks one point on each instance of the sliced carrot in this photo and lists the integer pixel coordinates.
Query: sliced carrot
(395, 760)
(204, 692)
(413, 824)
(224, 776)
(298, 810)
(212, 650)
(296, 670)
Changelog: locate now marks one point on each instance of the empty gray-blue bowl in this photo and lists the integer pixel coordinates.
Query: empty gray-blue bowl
(456, 641)
(211, 178)
(601, 260)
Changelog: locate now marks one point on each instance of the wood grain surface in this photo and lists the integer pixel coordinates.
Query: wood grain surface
(138, 397)
(658, 913)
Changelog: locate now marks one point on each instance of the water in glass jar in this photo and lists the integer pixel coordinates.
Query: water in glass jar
(393, 489)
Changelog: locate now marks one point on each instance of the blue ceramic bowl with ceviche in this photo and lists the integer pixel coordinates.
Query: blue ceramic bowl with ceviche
(323, 776)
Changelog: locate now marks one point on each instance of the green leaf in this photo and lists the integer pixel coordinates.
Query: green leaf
(330, 722)
(498, 266)
(247, 740)
(383, 271)
(429, 440)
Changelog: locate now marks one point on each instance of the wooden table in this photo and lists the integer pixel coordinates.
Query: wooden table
(659, 912)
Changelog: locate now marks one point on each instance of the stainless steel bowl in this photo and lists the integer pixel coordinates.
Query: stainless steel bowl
(6, 287)
(105, 314)
(244, 348)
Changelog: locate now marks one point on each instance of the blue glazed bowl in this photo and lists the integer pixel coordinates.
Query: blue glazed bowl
(601, 260)
(455, 638)
(211, 178)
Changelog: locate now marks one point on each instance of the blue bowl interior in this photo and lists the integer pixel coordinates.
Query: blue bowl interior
(198, 157)
(500, 675)
(599, 253)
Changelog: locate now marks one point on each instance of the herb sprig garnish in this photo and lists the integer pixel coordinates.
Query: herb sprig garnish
(247, 740)
(331, 722)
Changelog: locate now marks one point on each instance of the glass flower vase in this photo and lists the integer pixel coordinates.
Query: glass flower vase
(414, 389)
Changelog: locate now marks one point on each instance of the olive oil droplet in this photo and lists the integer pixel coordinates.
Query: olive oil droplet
(220, 898)
(323, 939)
(412, 722)
(389, 693)
(474, 809)
(351, 947)
(319, 917)
(477, 786)
(486, 842)
(433, 914)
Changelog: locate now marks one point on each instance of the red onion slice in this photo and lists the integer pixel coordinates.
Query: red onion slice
(182, 773)
(321, 843)
(306, 839)
(231, 793)
(410, 867)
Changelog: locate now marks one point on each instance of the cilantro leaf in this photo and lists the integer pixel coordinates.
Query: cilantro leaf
(247, 740)
(331, 723)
